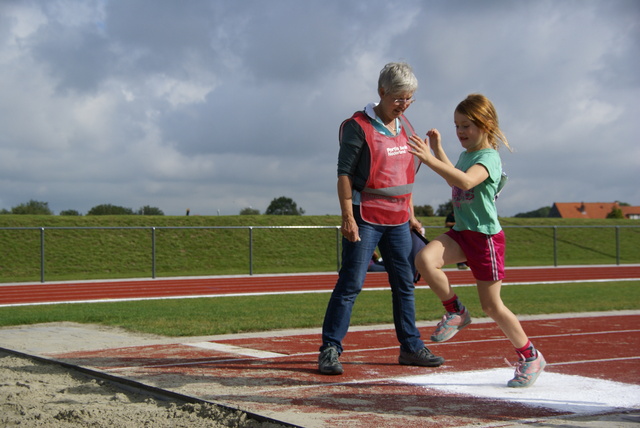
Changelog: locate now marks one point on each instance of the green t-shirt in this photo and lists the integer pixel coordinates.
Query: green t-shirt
(475, 209)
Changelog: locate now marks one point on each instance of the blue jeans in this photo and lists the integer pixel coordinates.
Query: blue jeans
(395, 248)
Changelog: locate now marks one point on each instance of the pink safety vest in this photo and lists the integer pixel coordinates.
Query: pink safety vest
(387, 194)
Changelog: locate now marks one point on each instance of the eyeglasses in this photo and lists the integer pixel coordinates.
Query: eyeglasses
(398, 101)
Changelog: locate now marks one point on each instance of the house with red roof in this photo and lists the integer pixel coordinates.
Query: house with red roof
(592, 210)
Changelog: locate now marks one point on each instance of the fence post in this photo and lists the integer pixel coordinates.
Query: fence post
(555, 246)
(42, 254)
(250, 250)
(618, 245)
(153, 252)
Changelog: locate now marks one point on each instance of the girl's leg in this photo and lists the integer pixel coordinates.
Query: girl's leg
(439, 252)
(492, 305)
(531, 362)
(443, 251)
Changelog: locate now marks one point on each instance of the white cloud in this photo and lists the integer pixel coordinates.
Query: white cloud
(222, 105)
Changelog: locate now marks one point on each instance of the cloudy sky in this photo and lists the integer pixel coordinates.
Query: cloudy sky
(219, 105)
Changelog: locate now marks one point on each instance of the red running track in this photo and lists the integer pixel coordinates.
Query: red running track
(593, 367)
(56, 292)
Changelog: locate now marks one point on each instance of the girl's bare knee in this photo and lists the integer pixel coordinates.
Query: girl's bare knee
(497, 313)
(425, 261)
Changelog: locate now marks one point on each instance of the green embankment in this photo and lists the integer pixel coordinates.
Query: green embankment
(184, 248)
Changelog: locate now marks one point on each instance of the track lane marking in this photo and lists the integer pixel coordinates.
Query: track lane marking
(259, 354)
(599, 360)
(231, 349)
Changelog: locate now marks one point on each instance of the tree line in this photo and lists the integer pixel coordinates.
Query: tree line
(278, 206)
(42, 208)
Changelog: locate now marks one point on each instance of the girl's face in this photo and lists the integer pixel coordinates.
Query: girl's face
(471, 137)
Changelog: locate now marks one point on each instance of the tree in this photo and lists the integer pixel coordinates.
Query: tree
(283, 206)
(32, 207)
(444, 209)
(147, 210)
(615, 213)
(108, 209)
(423, 210)
(249, 211)
(69, 212)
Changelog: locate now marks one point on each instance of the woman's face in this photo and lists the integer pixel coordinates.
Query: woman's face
(393, 106)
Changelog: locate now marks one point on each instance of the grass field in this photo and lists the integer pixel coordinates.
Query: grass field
(121, 246)
(222, 315)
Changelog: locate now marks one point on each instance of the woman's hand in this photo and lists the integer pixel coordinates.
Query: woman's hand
(420, 148)
(350, 229)
(415, 224)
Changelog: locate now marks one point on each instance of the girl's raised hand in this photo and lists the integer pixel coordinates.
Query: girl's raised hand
(434, 138)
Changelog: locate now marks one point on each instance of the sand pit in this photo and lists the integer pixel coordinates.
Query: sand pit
(39, 394)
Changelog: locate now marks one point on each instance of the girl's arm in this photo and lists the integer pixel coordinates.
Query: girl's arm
(464, 180)
(435, 144)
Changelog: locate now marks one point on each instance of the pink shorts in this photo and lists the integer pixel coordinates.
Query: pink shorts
(485, 253)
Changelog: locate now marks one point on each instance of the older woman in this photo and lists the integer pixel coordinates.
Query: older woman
(375, 178)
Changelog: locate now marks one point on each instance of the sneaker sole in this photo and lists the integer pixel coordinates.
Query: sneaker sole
(451, 333)
(331, 372)
(404, 362)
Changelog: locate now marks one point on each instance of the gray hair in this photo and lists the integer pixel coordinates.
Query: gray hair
(397, 78)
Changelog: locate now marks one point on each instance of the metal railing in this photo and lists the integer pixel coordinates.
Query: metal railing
(250, 230)
(556, 239)
(153, 230)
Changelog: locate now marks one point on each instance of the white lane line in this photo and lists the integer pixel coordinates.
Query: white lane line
(538, 336)
(566, 393)
(237, 350)
(599, 360)
(253, 354)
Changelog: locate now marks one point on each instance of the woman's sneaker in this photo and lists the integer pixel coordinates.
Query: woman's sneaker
(423, 357)
(527, 371)
(450, 324)
(328, 362)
